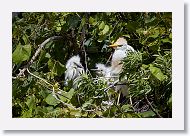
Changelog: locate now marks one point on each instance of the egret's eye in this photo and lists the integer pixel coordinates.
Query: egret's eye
(119, 45)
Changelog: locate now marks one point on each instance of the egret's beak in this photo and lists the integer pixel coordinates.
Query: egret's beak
(113, 45)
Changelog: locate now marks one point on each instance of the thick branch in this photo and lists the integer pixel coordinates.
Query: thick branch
(37, 53)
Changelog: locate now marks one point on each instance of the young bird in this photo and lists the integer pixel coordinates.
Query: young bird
(74, 69)
(103, 71)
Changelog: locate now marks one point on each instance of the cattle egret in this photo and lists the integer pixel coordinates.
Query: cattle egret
(121, 50)
(74, 69)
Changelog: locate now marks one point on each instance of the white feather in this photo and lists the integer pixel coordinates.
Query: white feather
(74, 68)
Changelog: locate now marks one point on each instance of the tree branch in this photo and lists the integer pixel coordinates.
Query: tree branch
(21, 73)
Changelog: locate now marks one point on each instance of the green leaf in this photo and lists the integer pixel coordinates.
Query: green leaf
(166, 40)
(88, 42)
(126, 108)
(102, 25)
(170, 36)
(105, 30)
(147, 114)
(50, 99)
(76, 113)
(66, 96)
(91, 20)
(31, 102)
(157, 72)
(149, 20)
(155, 35)
(21, 53)
(86, 104)
(47, 55)
(25, 39)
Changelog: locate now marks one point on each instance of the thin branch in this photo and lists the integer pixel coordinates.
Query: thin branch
(38, 77)
(152, 108)
(112, 85)
(37, 53)
(53, 92)
(55, 96)
(109, 58)
(83, 36)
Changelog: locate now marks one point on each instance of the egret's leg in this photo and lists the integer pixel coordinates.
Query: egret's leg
(118, 98)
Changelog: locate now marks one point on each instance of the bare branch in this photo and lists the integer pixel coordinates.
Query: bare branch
(37, 53)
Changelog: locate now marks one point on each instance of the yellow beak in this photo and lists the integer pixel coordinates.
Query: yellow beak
(113, 45)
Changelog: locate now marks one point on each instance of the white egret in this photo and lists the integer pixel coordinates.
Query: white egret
(121, 50)
(74, 69)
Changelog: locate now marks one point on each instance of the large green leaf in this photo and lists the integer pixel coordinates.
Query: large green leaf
(147, 114)
(157, 72)
(50, 99)
(102, 25)
(66, 96)
(21, 53)
(105, 30)
(31, 102)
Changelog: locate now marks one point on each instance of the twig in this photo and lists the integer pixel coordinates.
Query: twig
(55, 96)
(118, 98)
(152, 108)
(114, 83)
(53, 92)
(37, 53)
(109, 58)
(38, 77)
(83, 35)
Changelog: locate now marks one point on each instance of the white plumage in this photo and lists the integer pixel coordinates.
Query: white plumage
(121, 49)
(74, 68)
(103, 71)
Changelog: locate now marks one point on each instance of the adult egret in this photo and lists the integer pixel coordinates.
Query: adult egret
(121, 50)
(74, 69)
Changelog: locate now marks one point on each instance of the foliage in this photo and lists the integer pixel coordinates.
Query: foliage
(148, 70)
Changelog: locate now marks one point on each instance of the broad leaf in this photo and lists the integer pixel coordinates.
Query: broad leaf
(21, 53)
(157, 72)
(51, 100)
(102, 25)
(105, 30)
(31, 102)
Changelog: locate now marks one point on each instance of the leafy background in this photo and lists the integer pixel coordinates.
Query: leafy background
(148, 71)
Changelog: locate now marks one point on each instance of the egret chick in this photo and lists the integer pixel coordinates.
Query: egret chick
(103, 71)
(74, 68)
